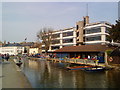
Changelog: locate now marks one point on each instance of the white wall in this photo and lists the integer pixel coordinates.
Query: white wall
(33, 50)
(11, 50)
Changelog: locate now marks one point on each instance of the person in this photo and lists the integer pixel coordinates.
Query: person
(19, 62)
(88, 57)
(7, 57)
(0, 58)
(78, 57)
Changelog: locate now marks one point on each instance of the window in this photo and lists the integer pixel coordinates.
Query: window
(77, 27)
(67, 40)
(55, 47)
(65, 34)
(77, 34)
(93, 30)
(107, 30)
(43, 48)
(93, 38)
(56, 35)
(66, 45)
(55, 41)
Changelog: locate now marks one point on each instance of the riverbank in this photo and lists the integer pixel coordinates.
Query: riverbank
(13, 77)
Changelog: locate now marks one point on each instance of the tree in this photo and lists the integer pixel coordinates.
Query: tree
(1, 43)
(45, 34)
(114, 32)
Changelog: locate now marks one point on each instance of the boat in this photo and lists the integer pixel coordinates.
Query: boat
(19, 64)
(78, 67)
(94, 69)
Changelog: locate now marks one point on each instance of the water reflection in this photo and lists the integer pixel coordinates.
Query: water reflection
(45, 74)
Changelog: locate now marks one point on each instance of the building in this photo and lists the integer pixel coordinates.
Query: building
(12, 49)
(83, 51)
(62, 38)
(84, 33)
(33, 51)
(26, 46)
(96, 33)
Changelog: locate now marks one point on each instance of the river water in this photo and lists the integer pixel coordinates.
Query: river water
(46, 74)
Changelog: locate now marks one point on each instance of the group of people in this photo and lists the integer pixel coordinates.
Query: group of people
(4, 57)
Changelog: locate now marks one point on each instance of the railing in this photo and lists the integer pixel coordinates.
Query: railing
(82, 61)
(77, 61)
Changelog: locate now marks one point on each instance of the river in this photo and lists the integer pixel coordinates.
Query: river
(46, 74)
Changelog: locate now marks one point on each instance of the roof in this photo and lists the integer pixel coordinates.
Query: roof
(28, 44)
(84, 48)
(14, 44)
(100, 22)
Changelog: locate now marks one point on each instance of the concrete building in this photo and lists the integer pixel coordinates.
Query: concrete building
(83, 33)
(96, 33)
(65, 37)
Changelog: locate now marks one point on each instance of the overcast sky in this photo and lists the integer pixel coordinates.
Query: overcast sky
(22, 20)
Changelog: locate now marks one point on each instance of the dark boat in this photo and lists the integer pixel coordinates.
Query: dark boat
(79, 67)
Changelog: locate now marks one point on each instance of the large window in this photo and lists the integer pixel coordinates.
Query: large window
(107, 30)
(65, 34)
(93, 38)
(55, 47)
(55, 41)
(56, 35)
(67, 40)
(77, 34)
(77, 27)
(93, 30)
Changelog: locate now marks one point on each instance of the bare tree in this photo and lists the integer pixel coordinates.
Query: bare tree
(45, 35)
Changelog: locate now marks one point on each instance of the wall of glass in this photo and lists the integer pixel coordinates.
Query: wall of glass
(67, 40)
(107, 30)
(65, 34)
(93, 38)
(56, 35)
(55, 41)
(93, 30)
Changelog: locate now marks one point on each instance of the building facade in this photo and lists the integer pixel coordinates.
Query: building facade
(12, 49)
(62, 38)
(83, 33)
(33, 51)
(96, 33)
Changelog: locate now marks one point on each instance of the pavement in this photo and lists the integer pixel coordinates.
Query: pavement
(0, 76)
(13, 77)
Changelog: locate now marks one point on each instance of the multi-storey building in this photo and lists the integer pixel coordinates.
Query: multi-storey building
(96, 33)
(65, 37)
(83, 33)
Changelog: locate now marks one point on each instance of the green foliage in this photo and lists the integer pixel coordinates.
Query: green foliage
(108, 52)
(114, 32)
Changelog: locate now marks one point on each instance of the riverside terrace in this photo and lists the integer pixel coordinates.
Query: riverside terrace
(85, 52)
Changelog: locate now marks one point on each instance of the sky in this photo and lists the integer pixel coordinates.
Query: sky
(22, 20)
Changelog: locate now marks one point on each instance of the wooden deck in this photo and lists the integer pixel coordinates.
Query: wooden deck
(78, 61)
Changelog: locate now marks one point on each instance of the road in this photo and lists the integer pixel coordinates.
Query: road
(13, 77)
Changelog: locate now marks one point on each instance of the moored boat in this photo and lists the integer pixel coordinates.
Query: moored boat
(78, 67)
(94, 69)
